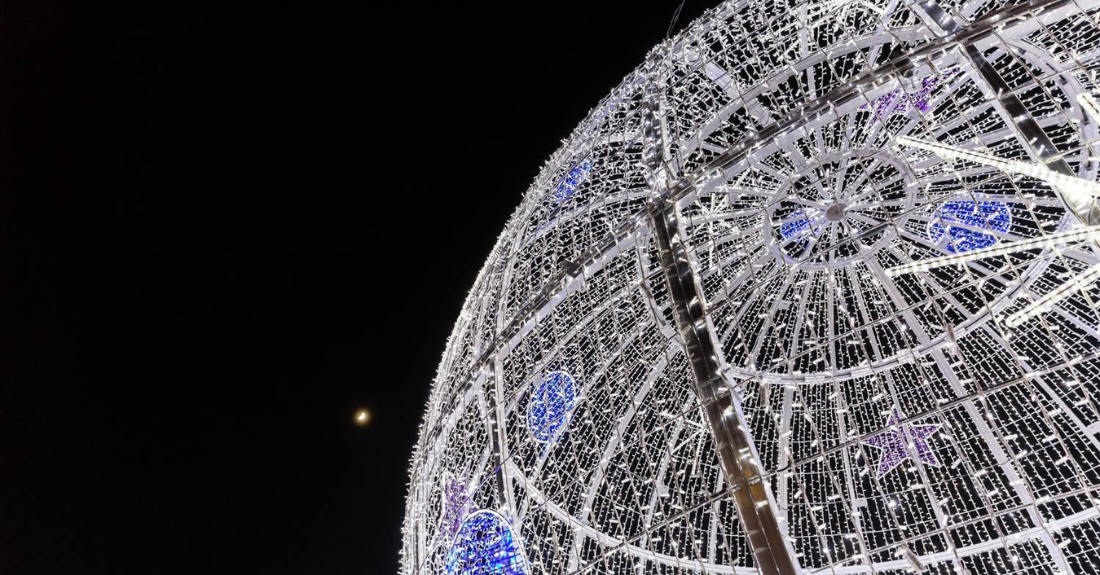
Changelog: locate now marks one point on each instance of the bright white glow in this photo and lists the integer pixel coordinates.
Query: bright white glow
(1056, 295)
(1075, 189)
(1089, 105)
(1089, 233)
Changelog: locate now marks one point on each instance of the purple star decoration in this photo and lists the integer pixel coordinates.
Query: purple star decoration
(894, 443)
(455, 505)
(897, 101)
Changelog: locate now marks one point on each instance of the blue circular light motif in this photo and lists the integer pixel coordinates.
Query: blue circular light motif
(992, 216)
(800, 224)
(549, 406)
(486, 545)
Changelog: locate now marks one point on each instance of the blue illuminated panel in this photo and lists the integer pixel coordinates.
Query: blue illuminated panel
(486, 545)
(551, 401)
(803, 226)
(988, 215)
(572, 181)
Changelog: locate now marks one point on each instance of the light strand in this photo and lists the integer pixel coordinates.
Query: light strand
(1089, 233)
(1076, 189)
(1056, 295)
(1090, 106)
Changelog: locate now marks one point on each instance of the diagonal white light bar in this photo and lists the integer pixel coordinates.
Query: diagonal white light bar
(1056, 295)
(1089, 233)
(1089, 105)
(1076, 192)
(1076, 189)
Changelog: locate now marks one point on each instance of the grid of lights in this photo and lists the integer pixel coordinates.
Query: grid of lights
(1046, 303)
(882, 219)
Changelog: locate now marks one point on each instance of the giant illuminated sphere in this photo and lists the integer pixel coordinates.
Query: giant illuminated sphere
(814, 290)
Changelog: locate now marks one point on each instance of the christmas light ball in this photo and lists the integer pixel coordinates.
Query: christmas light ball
(814, 289)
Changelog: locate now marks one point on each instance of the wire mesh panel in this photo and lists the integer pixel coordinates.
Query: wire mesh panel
(888, 213)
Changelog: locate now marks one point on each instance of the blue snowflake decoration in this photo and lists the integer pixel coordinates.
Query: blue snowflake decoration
(549, 406)
(486, 545)
(993, 216)
(572, 181)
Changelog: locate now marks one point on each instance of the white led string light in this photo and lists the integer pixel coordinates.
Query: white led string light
(1074, 188)
(1047, 241)
(1045, 303)
(1090, 106)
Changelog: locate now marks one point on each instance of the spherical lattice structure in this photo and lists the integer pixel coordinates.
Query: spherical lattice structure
(814, 290)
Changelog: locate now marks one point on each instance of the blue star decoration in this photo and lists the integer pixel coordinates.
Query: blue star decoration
(894, 443)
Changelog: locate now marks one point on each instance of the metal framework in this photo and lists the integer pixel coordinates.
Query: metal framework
(753, 316)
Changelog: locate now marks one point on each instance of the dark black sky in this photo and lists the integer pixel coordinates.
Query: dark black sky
(226, 228)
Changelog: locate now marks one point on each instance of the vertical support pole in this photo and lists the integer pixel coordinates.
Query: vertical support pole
(733, 441)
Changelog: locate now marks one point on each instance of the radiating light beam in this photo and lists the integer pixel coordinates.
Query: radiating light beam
(1089, 105)
(1076, 189)
(1056, 295)
(1049, 240)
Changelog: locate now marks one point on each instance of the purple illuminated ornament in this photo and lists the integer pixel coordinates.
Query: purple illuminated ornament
(894, 443)
(897, 102)
(455, 505)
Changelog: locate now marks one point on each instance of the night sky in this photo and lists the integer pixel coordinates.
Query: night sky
(226, 229)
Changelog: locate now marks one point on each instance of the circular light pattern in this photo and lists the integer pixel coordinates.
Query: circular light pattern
(486, 545)
(551, 401)
(806, 211)
(840, 208)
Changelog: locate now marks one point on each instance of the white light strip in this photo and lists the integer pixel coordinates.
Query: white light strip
(1056, 295)
(1089, 105)
(1076, 189)
(1089, 233)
